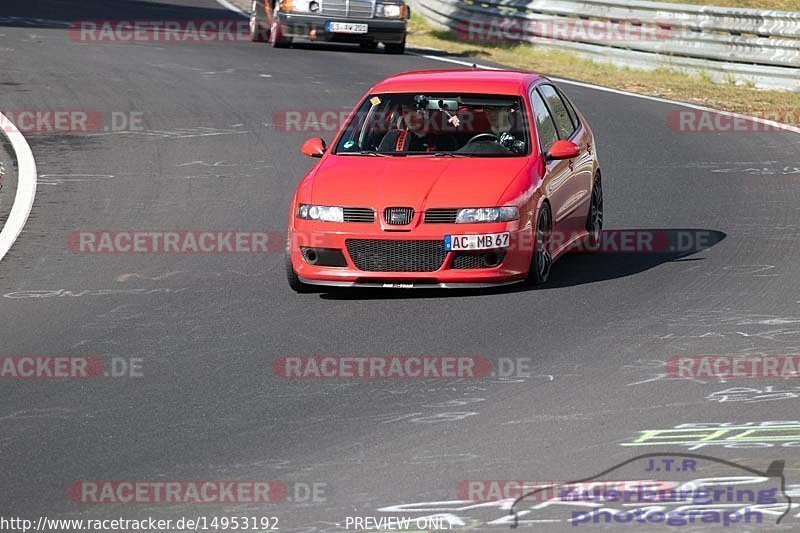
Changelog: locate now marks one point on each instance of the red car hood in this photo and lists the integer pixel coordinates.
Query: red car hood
(418, 182)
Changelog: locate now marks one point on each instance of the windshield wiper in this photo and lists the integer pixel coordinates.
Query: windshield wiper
(436, 154)
(369, 152)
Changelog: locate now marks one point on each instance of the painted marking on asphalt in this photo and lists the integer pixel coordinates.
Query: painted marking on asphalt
(26, 186)
(227, 5)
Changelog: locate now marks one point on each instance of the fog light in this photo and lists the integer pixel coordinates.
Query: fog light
(323, 257)
(491, 259)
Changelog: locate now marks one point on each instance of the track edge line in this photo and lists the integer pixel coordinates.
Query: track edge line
(230, 7)
(26, 186)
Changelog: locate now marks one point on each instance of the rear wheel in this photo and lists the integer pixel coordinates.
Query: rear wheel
(294, 279)
(594, 221)
(542, 258)
(396, 48)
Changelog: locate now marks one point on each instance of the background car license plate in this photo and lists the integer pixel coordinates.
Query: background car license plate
(476, 242)
(347, 27)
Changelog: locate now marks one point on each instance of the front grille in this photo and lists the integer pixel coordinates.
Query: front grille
(398, 216)
(360, 8)
(334, 7)
(358, 214)
(345, 8)
(468, 261)
(383, 255)
(440, 216)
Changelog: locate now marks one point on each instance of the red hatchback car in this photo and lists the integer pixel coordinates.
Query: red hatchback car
(449, 178)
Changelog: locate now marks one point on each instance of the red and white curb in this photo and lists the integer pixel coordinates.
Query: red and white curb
(26, 186)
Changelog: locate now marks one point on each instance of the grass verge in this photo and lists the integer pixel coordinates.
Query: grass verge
(783, 5)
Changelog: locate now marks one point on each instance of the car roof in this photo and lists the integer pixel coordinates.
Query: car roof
(508, 82)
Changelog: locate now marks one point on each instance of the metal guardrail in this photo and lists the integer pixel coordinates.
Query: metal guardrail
(729, 44)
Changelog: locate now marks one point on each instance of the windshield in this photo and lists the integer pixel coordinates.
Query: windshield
(437, 124)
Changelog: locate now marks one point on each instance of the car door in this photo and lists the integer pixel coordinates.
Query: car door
(557, 173)
(575, 187)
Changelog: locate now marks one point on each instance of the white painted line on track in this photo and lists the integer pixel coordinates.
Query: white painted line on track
(227, 5)
(771, 123)
(26, 186)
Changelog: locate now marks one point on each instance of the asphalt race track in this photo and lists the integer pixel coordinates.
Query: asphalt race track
(206, 328)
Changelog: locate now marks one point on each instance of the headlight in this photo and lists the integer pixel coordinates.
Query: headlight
(320, 212)
(390, 11)
(298, 6)
(487, 214)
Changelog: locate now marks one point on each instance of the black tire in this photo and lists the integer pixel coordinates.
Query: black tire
(594, 220)
(541, 259)
(368, 45)
(294, 280)
(277, 38)
(258, 33)
(396, 48)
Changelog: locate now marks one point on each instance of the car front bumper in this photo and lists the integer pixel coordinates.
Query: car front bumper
(513, 265)
(315, 27)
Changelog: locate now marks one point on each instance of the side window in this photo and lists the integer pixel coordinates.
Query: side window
(560, 114)
(570, 109)
(544, 122)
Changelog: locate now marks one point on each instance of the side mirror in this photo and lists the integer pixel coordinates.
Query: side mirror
(563, 149)
(314, 147)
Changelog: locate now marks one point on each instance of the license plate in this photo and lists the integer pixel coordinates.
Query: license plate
(476, 242)
(347, 27)
(398, 285)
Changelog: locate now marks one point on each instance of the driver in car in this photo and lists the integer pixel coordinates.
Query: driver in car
(501, 122)
(417, 135)
(499, 119)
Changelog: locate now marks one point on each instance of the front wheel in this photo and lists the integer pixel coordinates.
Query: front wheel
(277, 38)
(258, 33)
(594, 220)
(294, 280)
(542, 258)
